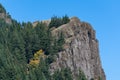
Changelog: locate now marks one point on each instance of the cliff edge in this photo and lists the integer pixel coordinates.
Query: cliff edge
(81, 50)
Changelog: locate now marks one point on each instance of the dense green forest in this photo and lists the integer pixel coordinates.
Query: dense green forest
(26, 51)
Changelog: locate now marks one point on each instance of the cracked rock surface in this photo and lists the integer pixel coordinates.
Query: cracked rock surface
(81, 50)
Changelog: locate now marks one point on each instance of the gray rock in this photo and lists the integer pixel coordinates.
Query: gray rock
(4, 16)
(80, 50)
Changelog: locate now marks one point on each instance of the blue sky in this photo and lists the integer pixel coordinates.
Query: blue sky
(104, 16)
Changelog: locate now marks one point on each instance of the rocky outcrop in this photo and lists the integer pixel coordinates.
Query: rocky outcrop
(80, 50)
(5, 17)
(43, 21)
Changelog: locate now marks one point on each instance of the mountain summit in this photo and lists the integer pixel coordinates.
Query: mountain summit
(61, 48)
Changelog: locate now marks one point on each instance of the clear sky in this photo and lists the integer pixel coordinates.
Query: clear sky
(104, 16)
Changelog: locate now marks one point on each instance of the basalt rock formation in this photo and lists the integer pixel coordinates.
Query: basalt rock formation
(81, 50)
(18, 43)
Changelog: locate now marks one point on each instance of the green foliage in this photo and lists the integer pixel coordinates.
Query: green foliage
(65, 19)
(39, 73)
(99, 78)
(8, 15)
(64, 74)
(20, 42)
(60, 42)
(50, 59)
(2, 9)
(92, 79)
(81, 76)
(2, 23)
(57, 21)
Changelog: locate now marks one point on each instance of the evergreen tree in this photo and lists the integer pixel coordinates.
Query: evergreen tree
(57, 21)
(81, 76)
(65, 19)
(2, 9)
(64, 74)
(18, 44)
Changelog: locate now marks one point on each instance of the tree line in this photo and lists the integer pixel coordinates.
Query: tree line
(21, 42)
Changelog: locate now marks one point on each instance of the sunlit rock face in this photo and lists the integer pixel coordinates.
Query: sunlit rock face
(81, 50)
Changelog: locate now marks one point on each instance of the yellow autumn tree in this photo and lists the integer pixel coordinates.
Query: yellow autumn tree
(39, 54)
(34, 62)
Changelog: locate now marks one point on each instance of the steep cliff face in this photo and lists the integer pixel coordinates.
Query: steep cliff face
(5, 16)
(80, 50)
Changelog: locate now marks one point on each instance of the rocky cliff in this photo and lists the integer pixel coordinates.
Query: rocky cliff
(81, 50)
(4, 16)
